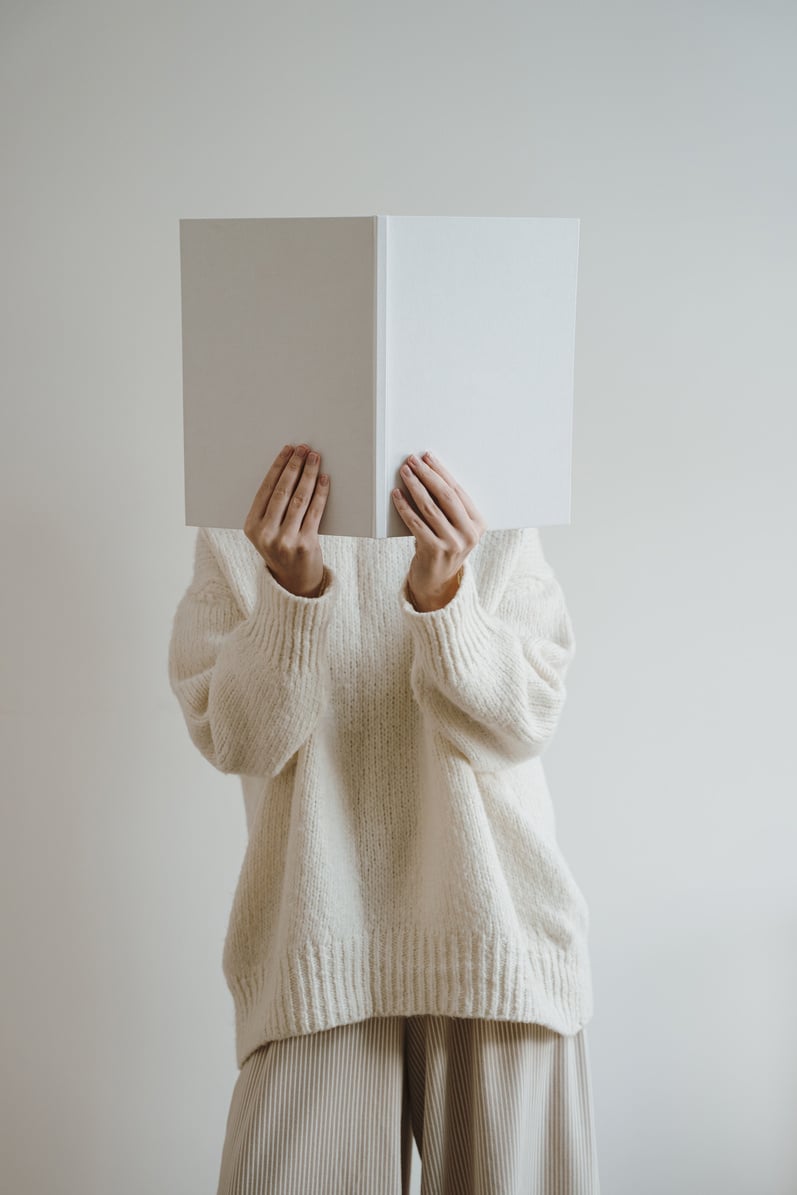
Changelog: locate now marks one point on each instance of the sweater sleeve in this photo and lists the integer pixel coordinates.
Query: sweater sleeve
(251, 689)
(492, 683)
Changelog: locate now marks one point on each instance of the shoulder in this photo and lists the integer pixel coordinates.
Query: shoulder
(234, 559)
(513, 553)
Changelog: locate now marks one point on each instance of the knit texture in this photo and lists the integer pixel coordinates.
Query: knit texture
(402, 855)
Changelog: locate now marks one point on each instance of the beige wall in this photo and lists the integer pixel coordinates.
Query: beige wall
(668, 128)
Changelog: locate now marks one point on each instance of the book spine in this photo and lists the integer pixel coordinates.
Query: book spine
(380, 507)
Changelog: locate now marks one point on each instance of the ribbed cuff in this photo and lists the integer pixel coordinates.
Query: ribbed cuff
(454, 640)
(289, 628)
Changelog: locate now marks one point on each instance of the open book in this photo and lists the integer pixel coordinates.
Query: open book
(373, 337)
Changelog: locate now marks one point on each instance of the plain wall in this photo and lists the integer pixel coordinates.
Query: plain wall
(668, 129)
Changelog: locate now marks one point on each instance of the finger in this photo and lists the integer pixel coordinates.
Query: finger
(299, 501)
(444, 496)
(283, 489)
(266, 489)
(316, 508)
(419, 529)
(435, 466)
(425, 504)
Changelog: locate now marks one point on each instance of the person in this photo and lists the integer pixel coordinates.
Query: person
(407, 946)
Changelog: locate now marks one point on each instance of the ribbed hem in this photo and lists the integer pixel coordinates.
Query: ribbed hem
(289, 628)
(407, 973)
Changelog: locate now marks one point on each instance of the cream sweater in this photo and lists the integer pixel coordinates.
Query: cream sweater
(401, 855)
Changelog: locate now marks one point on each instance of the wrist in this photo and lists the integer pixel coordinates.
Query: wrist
(313, 593)
(427, 603)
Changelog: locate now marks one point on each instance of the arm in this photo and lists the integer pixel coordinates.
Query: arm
(493, 683)
(251, 689)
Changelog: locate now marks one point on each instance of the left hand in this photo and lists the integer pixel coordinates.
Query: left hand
(447, 530)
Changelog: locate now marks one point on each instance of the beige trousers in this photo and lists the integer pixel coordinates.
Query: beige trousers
(495, 1107)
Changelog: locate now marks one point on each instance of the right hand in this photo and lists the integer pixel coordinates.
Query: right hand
(283, 520)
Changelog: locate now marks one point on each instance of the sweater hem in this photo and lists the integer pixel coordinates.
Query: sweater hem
(409, 973)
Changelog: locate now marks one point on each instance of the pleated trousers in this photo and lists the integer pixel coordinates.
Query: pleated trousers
(495, 1108)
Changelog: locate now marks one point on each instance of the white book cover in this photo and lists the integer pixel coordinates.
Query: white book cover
(373, 337)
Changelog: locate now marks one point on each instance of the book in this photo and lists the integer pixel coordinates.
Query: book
(373, 337)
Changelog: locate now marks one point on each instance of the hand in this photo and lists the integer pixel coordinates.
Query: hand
(283, 520)
(446, 530)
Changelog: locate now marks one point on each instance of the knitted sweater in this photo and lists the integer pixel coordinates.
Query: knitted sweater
(401, 855)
